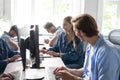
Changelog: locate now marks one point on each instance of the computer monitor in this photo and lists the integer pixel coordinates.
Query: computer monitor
(34, 46)
(23, 52)
(31, 43)
(22, 45)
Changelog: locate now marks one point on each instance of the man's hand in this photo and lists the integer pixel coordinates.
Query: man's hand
(65, 75)
(43, 51)
(12, 59)
(46, 41)
(54, 54)
(7, 76)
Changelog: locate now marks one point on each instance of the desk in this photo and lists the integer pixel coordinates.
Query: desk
(52, 62)
(47, 62)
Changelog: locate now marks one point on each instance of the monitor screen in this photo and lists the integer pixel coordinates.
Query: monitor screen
(22, 45)
(31, 43)
(23, 53)
(34, 46)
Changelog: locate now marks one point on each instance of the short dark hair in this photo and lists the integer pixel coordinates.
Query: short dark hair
(48, 25)
(14, 28)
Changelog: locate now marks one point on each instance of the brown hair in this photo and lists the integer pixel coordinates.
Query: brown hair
(14, 28)
(68, 19)
(87, 24)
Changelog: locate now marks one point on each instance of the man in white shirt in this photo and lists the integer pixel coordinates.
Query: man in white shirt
(56, 31)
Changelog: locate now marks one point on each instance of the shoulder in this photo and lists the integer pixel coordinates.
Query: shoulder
(62, 35)
(107, 49)
(5, 35)
(59, 31)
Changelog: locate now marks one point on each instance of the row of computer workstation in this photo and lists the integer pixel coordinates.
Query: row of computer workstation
(33, 65)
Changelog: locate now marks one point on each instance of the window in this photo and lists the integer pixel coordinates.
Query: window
(111, 16)
(41, 11)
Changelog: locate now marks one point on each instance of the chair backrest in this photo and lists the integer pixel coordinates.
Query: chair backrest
(114, 37)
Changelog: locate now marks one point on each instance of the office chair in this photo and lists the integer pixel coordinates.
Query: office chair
(114, 37)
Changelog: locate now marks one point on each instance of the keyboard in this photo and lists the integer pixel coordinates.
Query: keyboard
(50, 75)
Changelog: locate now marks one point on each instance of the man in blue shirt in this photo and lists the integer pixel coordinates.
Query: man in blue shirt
(7, 55)
(102, 60)
(8, 37)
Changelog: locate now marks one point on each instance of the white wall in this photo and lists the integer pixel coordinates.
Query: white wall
(5, 8)
(5, 15)
(94, 8)
(1, 8)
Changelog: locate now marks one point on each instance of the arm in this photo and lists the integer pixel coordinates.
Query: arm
(65, 75)
(9, 50)
(77, 72)
(11, 43)
(52, 41)
(7, 76)
(56, 36)
(14, 45)
(56, 45)
(68, 74)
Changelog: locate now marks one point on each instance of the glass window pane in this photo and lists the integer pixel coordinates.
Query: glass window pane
(52, 10)
(110, 16)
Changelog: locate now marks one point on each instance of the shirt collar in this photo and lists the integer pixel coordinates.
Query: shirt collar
(98, 42)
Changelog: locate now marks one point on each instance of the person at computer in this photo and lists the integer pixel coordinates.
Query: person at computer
(7, 55)
(68, 46)
(102, 60)
(56, 31)
(7, 36)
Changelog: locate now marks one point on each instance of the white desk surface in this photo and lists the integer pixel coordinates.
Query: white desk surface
(52, 62)
(14, 66)
(47, 62)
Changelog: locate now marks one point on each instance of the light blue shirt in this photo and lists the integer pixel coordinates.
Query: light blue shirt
(5, 52)
(6, 37)
(105, 63)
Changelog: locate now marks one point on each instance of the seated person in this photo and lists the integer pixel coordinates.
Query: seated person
(7, 36)
(7, 76)
(68, 46)
(7, 55)
(102, 60)
(53, 30)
